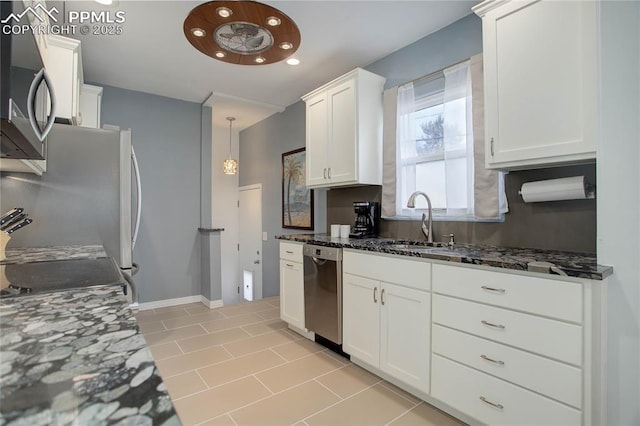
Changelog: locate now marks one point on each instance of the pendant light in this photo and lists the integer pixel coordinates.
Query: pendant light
(230, 166)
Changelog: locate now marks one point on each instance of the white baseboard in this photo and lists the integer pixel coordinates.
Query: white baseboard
(168, 302)
(211, 304)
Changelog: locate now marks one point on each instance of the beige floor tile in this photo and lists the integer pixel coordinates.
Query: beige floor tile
(265, 327)
(152, 327)
(217, 401)
(274, 300)
(270, 314)
(427, 415)
(401, 392)
(298, 349)
(184, 384)
(197, 308)
(258, 343)
(237, 368)
(172, 335)
(191, 319)
(191, 361)
(213, 339)
(225, 323)
(287, 407)
(165, 350)
(244, 308)
(298, 371)
(175, 307)
(374, 406)
(349, 380)
(223, 420)
(147, 316)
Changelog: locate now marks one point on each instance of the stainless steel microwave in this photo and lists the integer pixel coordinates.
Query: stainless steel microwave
(27, 103)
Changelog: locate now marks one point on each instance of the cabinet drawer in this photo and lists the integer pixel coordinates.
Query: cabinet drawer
(291, 251)
(463, 387)
(552, 298)
(398, 270)
(542, 375)
(551, 338)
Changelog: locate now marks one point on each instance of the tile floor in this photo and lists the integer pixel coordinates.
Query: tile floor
(240, 365)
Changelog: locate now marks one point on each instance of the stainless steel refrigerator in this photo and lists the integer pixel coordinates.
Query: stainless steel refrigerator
(90, 194)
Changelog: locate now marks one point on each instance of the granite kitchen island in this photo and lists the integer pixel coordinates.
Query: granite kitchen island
(77, 357)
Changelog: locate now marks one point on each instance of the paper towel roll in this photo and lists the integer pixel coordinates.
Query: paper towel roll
(571, 188)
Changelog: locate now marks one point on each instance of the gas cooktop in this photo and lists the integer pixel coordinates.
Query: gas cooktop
(57, 275)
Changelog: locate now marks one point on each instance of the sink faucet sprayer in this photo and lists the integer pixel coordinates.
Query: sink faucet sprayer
(426, 229)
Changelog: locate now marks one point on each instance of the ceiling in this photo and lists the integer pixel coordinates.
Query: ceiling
(152, 55)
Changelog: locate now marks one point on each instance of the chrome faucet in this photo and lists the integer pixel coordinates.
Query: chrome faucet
(426, 229)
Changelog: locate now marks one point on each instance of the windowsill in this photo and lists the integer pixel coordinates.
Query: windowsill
(449, 219)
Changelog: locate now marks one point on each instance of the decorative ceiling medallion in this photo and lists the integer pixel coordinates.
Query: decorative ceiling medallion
(247, 33)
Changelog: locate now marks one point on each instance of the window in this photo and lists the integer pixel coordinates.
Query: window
(435, 149)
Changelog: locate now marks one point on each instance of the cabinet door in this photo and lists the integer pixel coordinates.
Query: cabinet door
(317, 140)
(361, 319)
(405, 334)
(540, 75)
(343, 136)
(292, 293)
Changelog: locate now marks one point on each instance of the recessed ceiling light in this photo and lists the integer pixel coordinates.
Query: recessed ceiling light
(105, 2)
(224, 12)
(286, 45)
(220, 54)
(259, 59)
(198, 32)
(293, 61)
(273, 21)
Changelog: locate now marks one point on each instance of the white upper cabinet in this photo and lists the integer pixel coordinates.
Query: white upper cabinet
(540, 82)
(90, 106)
(64, 66)
(344, 131)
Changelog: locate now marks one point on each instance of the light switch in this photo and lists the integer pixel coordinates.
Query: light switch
(264, 236)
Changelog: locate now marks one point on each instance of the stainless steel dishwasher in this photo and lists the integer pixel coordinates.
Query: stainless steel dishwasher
(323, 291)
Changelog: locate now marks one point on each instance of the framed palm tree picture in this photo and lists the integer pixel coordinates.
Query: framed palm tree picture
(297, 200)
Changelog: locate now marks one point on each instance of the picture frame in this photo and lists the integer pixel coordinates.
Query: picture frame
(297, 199)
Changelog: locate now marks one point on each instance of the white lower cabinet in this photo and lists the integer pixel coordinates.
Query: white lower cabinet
(387, 325)
(292, 284)
(494, 401)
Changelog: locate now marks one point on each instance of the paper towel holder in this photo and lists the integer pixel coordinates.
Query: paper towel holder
(569, 188)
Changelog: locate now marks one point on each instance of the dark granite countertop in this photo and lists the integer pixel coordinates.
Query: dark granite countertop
(42, 254)
(77, 357)
(581, 265)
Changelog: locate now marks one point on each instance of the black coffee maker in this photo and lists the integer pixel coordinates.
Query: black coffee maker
(367, 219)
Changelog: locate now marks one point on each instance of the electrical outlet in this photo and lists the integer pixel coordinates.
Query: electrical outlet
(264, 236)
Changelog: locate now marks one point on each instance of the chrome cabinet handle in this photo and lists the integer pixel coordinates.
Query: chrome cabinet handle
(493, 404)
(493, 289)
(382, 296)
(486, 358)
(288, 251)
(324, 173)
(490, 324)
(329, 173)
(289, 265)
(375, 292)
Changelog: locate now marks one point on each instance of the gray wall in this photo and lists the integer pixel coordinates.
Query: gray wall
(166, 135)
(261, 148)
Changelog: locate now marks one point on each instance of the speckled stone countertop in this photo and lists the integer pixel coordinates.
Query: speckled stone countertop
(581, 265)
(42, 254)
(77, 357)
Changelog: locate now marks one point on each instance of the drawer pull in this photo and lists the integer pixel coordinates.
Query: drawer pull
(289, 265)
(375, 292)
(490, 324)
(492, 360)
(495, 290)
(486, 401)
(289, 251)
(382, 296)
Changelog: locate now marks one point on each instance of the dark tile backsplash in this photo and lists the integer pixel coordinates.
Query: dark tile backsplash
(559, 225)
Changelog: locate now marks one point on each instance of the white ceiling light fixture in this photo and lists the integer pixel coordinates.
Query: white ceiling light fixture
(198, 32)
(286, 45)
(224, 12)
(230, 166)
(105, 2)
(293, 61)
(273, 21)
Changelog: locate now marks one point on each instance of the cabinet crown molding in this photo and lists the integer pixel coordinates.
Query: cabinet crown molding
(345, 77)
